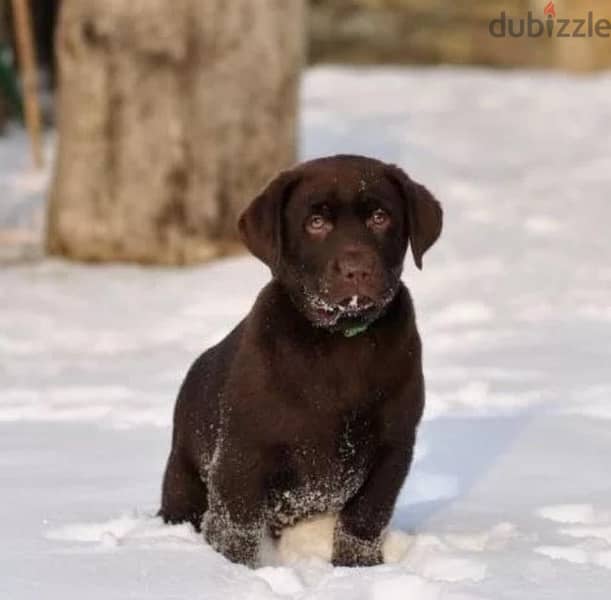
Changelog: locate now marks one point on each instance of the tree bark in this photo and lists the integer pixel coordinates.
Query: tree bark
(4, 109)
(171, 116)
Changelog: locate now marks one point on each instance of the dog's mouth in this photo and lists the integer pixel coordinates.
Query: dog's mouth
(352, 310)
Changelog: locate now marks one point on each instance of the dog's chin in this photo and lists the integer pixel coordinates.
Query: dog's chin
(336, 319)
(348, 313)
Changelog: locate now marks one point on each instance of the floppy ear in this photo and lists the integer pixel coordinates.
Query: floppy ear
(424, 216)
(260, 225)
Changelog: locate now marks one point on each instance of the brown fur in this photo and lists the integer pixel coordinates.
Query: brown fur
(288, 416)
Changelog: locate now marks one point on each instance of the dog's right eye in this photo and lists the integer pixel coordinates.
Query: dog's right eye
(317, 224)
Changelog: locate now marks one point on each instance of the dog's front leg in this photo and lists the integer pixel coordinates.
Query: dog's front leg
(234, 523)
(357, 539)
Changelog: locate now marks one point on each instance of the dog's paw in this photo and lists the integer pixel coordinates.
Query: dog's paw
(239, 544)
(352, 551)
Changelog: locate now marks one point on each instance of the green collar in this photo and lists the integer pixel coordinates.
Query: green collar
(354, 331)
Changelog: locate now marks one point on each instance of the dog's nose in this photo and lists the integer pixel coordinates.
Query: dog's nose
(355, 268)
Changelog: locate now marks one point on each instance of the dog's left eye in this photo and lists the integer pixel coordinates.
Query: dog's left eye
(378, 218)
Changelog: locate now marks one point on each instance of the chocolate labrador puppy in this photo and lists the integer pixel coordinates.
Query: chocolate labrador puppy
(311, 403)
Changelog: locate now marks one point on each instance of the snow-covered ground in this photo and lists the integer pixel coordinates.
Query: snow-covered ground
(510, 495)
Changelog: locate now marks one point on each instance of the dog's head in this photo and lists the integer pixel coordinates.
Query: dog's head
(334, 231)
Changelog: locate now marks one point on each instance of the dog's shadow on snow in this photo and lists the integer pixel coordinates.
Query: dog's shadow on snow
(455, 454)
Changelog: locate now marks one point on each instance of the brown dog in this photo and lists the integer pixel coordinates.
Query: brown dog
(311, 403)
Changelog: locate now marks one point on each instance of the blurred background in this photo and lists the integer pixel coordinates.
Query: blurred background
(132, 134)
(144, 110)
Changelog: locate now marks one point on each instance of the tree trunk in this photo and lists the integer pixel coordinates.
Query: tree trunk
(4, 111)
(171, 116)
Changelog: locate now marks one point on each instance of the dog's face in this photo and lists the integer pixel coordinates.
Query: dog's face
(335, 232)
